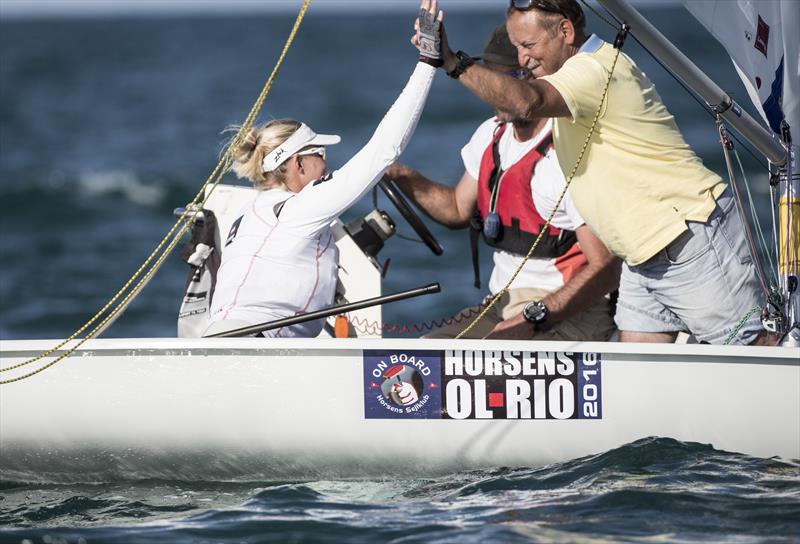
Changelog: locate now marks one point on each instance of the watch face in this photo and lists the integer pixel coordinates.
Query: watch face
(535, 312)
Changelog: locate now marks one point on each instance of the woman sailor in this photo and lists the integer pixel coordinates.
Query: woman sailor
(279, 258)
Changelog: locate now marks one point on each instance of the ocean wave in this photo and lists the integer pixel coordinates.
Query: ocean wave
(654, 489)
(87, 190)
(124, 183)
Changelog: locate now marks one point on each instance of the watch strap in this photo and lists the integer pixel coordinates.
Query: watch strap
(464, 62)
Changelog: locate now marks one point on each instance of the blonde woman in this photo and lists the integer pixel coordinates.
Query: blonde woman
(279, 258)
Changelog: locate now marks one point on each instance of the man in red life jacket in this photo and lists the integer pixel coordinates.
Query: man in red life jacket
(511, 184)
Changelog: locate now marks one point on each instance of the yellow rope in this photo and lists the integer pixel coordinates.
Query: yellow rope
(496, 297)
(175, 234)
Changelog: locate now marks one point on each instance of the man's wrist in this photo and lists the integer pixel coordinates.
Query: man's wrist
(464, 62)
(450, 60)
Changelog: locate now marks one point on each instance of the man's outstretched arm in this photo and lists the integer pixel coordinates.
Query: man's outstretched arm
(524, 99)
(528, 100)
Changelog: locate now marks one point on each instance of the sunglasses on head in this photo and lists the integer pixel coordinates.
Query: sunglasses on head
(543, 5)
(314, 151)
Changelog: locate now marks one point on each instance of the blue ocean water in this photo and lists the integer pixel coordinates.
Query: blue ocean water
(108, 124)
(652, 490)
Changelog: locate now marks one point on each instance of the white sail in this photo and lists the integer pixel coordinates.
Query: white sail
(763, 39)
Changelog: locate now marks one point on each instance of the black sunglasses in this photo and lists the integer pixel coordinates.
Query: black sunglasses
(543, 5)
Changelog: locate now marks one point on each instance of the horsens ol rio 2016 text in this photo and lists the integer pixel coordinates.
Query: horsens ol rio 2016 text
(475, 384)
(520, 385)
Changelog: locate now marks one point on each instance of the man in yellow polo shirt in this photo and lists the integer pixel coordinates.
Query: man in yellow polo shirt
(639, 186)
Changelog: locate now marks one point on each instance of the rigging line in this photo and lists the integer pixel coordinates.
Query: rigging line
(614, 25)
(756, 221)
(190, 212)
(791, 253)
(774, 202)
(94, 318)
(789, 201)
(727, 147)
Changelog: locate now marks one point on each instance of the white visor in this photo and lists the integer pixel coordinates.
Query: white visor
(302, 137)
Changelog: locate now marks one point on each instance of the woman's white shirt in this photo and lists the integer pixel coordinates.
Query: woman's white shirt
(271, 270)
(280, 266)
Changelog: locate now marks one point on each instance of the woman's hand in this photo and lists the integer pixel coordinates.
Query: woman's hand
(429, 36)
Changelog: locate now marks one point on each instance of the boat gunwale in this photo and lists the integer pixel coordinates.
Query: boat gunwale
(114, 347)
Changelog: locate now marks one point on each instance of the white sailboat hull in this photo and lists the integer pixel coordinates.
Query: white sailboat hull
(270, 409)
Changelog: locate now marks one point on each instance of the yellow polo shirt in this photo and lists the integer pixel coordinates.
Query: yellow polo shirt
(638, 182)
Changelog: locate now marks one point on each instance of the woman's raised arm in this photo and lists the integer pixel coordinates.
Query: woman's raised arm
(319, 203)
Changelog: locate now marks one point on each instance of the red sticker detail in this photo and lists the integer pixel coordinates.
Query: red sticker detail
(496, 400)
(762, 36)
(396, 369)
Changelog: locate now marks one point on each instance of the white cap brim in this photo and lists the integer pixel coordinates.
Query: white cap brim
(302, 137)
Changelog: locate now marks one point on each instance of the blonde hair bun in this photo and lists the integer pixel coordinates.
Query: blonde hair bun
(257, 143)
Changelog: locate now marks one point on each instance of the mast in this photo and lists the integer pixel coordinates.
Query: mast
(782, 154)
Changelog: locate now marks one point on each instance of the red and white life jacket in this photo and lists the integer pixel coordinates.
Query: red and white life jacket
(508, 193)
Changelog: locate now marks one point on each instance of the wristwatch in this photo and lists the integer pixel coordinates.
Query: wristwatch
(464, 62)
(536, 313)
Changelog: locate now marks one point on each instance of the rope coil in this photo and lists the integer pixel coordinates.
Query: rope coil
(375, 327)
